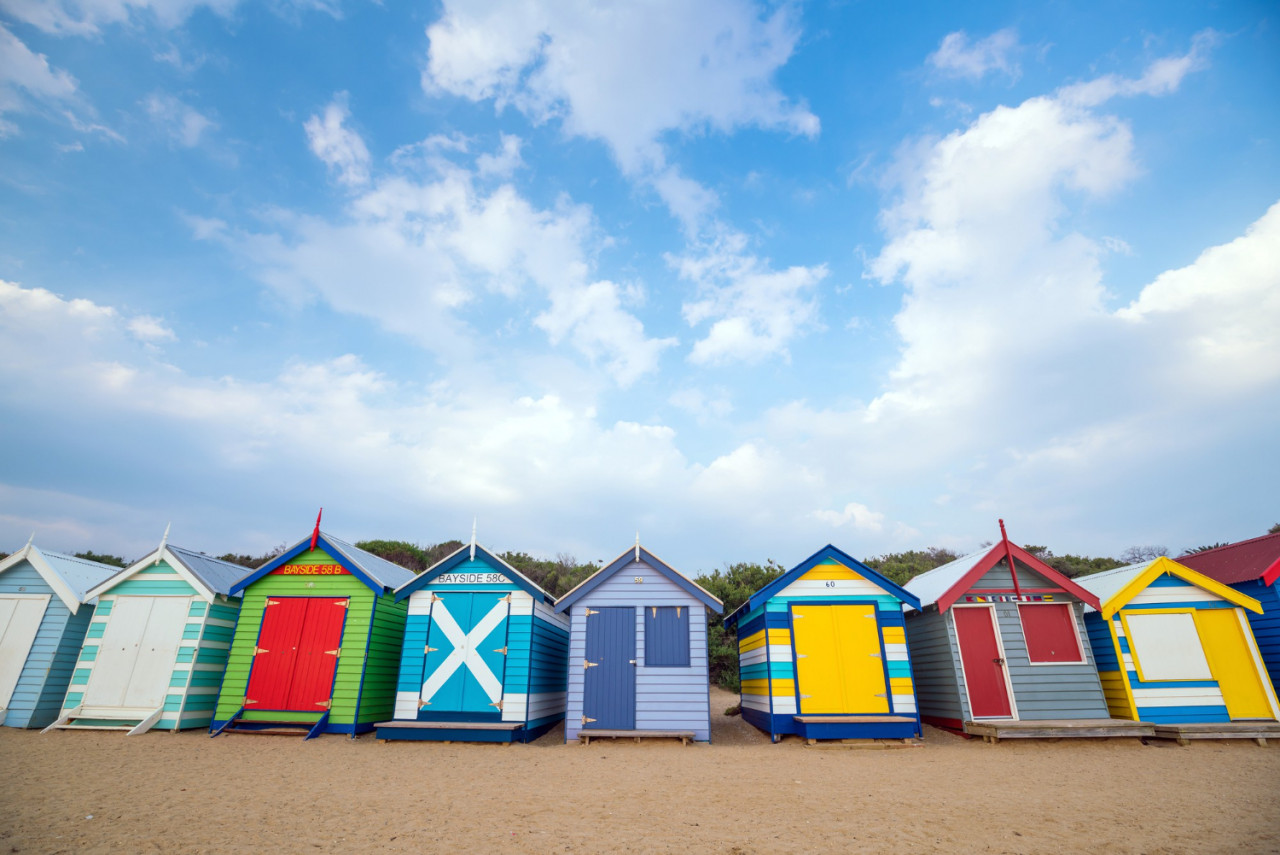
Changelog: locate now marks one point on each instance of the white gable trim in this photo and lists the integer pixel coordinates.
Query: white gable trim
(143, 563)
(33, 556)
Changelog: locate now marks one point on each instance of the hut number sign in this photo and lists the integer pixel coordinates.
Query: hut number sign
(311, 570)
(469, 579)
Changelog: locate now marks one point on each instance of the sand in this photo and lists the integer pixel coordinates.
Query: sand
(103, 792)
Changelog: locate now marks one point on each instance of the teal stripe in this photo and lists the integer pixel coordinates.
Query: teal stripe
(89, 653)
(179, 679)
(73, 700)
(104, 608)
(198, 608)
(81, 676)
(151, 588)
(95, 630)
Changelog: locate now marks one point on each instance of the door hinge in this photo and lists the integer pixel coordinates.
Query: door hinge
(802, 655)
(434, 598)
(678, 608)
(590, 611)
(497, 704)
(872, 615)
(324, 704)
(501, 650)
(586, 664)
(342, 604)
(430, 649)
(805, 697)
(881, 695)
(653, 611)
(258, 650)
(422, 704)
(876, 655)
(248, 702)
(632, 661)
(586, 720)
(334, 652)
(506, 599)
(271, 602)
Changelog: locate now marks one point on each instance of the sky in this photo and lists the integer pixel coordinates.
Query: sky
(745, 278)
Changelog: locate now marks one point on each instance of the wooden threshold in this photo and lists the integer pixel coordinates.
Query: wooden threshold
(994, 731)
(1258, 731)
(685, 736)
(853, 719)
(453, 725)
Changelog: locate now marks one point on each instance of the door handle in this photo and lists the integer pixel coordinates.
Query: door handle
(998, 661)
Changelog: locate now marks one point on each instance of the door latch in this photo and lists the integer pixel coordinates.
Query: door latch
(998, 661)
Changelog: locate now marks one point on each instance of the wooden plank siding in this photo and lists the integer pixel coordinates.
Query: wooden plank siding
(666, 698)
(1052, 691)
(202, 654)
(50, 663)
(1265, 626)
(356, 642)
(935, 659)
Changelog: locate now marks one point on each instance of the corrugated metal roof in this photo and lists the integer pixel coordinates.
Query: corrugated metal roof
(217, 575)
(1108, 583)
(1236, 562)
(382, 571)
(930, 586)
(80, 574)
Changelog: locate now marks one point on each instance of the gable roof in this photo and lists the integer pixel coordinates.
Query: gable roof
(209, 576)
(1116, 588)
(70, 578)
(377, 574)
(462, 555)
(761, 596)
(946, 584)
(595, 579)
(1243, 561)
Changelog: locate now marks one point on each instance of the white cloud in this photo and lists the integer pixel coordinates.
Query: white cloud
(409, 251)
(183, 123)
(702, 405)
(337, 145)
(27, 76)
(1161, 77)
(755, 310)
(504, 163)
(959, 57)
(622, 73)
(855, 515)
(90, 17)
(145, 328)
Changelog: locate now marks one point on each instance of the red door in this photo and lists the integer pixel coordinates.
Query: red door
(983, 665)
(297, 654)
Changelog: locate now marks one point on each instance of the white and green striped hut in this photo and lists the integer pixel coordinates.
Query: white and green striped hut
(157, 646)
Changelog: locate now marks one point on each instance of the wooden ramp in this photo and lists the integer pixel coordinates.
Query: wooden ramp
(449, 731)
(994, 731)
(133, 721)
(1258, 731)
(685, 736)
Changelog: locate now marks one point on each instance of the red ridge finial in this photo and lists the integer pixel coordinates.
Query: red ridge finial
(315, 535)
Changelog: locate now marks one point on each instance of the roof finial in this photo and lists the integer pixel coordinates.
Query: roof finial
(473, 538)
(1004, 536)
(164, 541)
(315, 535)
(30, 540)
(637, 546)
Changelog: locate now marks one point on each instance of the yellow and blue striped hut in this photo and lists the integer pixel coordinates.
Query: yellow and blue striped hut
(822, 653)
(1174, 648)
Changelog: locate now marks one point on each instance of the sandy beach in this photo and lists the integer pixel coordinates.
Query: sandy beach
(161, 792)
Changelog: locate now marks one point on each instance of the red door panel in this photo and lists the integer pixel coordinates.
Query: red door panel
(317, 655)
(277, 651)
(983, 667)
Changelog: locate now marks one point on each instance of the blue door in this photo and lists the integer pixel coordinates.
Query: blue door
(466, 654)
(609, 690)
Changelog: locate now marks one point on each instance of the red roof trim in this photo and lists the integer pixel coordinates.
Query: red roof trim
(992, 558)
(1272, 573)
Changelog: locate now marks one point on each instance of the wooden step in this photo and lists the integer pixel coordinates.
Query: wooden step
(1258, 731)
(994, 731)
(452, 725)
(685, 736)
(853, 719)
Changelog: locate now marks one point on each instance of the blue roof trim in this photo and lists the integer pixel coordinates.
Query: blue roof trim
(762, 596)
(653, 561)
(302, 546)
(462, 556)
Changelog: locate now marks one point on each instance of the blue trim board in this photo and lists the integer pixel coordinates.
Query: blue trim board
(302, 546)
(827, 552)
(463, 556)
(653, 561)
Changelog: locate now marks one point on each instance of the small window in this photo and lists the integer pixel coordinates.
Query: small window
(666, 636)
(1050, 631)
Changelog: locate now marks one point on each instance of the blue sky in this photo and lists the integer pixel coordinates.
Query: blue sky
(749, 278)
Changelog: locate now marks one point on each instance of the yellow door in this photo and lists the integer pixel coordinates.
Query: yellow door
(838, 664)
(1232, 664)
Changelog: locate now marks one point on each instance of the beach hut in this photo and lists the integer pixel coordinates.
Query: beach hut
(157, 646)
(484, 654)
(822, 653)
(1252, 567)
(317, 646)
(999, 650)
(638, 652)
(1174, 648)
(44, 614)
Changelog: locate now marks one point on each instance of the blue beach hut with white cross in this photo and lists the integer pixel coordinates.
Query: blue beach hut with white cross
(484, 656)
